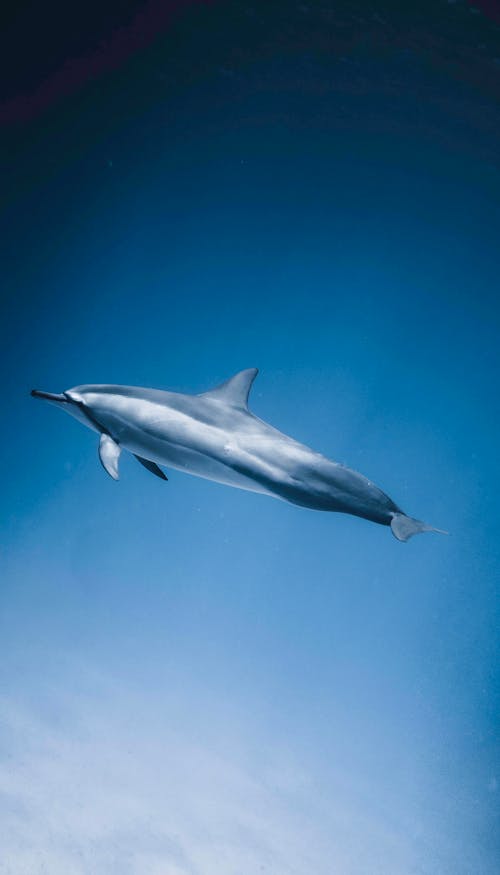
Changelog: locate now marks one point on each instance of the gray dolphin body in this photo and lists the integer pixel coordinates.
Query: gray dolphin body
(214, 435)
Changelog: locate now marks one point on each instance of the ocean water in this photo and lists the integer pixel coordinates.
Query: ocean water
(197, 680)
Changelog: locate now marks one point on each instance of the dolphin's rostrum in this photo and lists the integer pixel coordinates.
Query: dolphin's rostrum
(214, 435)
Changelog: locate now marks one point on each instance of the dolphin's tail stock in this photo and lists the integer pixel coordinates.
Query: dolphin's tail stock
(403, 527)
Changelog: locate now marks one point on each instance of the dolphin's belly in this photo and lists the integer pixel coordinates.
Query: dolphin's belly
(248, 454)
(294, 474)
(190, 461)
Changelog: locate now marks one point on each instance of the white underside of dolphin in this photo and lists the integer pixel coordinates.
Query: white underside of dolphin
(214, 435)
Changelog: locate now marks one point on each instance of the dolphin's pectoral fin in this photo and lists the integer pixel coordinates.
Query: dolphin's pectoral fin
(109, 453)
(152, 466)
(234, 391)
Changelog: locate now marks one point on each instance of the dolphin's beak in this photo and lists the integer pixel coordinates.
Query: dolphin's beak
(49, 396)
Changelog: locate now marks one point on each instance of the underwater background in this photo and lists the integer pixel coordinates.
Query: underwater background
(196, 680)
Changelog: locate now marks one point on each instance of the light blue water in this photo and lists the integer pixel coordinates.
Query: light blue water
(201, 680)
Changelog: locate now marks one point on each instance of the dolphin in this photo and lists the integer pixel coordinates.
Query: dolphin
(214, 435)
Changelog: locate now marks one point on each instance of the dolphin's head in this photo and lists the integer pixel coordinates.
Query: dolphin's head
(70, 401)
(50, 396)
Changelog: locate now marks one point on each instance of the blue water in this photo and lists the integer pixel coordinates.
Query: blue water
(203, 681)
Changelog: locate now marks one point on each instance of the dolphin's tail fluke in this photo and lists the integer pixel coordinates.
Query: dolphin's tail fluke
(403, 527)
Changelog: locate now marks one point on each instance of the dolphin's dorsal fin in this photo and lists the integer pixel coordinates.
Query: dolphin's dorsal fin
(109, 453)
(234, 391)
